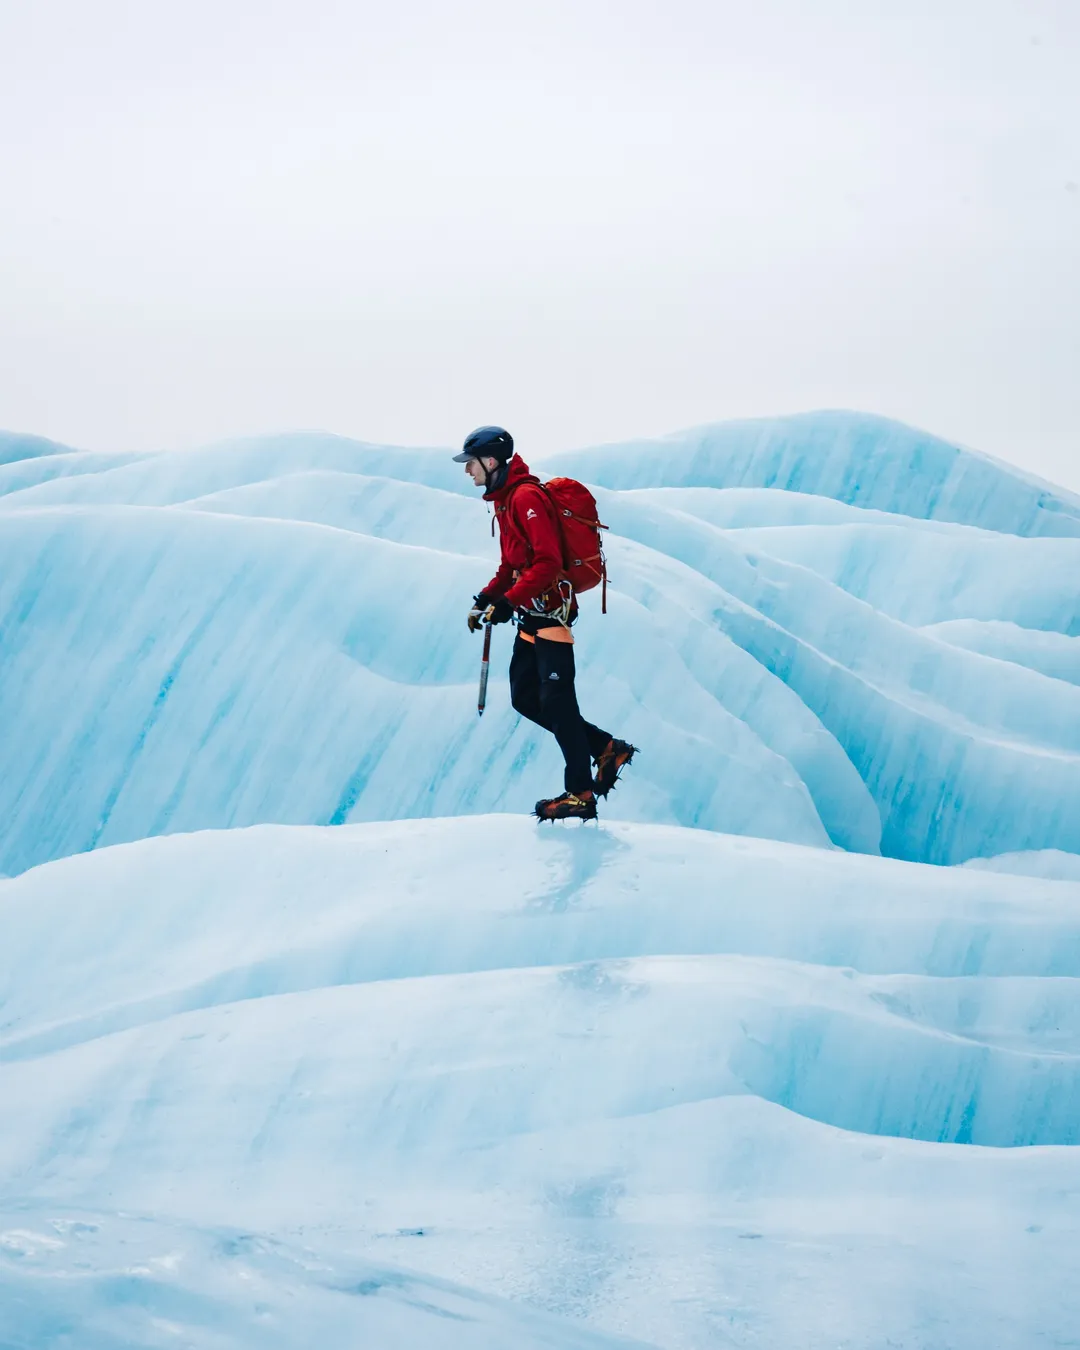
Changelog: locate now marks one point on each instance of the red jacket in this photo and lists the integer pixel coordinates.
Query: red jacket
(529, 538)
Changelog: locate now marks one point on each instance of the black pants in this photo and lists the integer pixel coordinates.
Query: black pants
(542, 689)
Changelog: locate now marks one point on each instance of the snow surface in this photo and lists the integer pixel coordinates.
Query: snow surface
(1050, 863)
(384, 1068)
(271, 630)
(111, 1282)
(660, 1081)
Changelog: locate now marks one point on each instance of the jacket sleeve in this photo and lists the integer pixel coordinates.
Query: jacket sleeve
(534, 517)
(500, 581)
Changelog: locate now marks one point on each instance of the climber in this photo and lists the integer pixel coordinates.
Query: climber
(532, 587)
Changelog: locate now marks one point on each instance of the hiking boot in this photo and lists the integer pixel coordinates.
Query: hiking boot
(614, 757)
(568, 806)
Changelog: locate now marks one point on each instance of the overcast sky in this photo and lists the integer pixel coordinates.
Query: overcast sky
(585, 220)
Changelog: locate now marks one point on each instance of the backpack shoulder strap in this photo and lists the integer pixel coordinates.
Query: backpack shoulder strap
(503, 508)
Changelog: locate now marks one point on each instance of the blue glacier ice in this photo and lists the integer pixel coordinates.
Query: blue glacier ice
(15, 448)
(181, 628)
(308, 1035)
(854, 458)
(1053, 654)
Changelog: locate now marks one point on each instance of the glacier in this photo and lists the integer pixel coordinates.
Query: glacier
(309, 1035)
(804, 681)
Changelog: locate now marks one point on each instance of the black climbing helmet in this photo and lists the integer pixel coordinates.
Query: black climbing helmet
(484, 441)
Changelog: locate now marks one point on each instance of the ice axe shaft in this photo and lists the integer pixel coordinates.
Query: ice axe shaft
(485, 666)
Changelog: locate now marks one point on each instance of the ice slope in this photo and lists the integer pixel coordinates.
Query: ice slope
(388, 508)
(1054, 654)
(271, 630)
(934, 577)
(890, 561)
(541, 897)
(77, 477)
(169, 670)
(738, 682)
(1033, 710)
(940, 741)
(754, 508)
(852, 457)
(41, 472)
(15, 447)
(704, 1089)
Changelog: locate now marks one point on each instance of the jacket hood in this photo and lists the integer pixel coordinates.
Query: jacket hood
(517, 471)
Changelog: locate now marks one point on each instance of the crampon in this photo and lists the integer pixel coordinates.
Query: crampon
(611, 761)
(569, 806)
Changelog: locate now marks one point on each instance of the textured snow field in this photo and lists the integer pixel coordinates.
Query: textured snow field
(310, 1037)
(104, 1281)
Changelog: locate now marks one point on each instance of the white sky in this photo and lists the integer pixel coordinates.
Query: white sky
(586, 220)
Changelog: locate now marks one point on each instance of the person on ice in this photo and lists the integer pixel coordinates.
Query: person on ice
(531, 586)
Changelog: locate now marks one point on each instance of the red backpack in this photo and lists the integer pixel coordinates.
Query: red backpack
(579, 525)
(582, 543)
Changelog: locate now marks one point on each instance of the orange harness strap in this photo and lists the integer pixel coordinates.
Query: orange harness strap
(556, 634)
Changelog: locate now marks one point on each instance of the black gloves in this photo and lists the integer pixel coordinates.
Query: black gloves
(486, 609)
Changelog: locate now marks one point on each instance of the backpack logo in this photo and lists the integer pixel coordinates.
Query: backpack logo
(554, 675)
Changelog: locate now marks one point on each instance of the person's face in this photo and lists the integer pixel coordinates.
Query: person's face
(476, 470)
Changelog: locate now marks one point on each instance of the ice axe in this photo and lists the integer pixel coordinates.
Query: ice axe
(485, 666)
